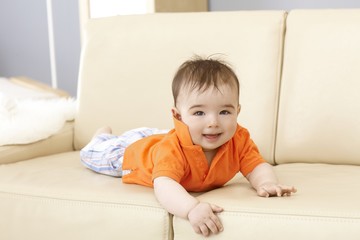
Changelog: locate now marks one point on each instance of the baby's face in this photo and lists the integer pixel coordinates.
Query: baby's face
(210, 115)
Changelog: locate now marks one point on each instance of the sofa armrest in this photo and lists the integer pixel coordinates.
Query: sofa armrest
(39, 87)
(57, 143)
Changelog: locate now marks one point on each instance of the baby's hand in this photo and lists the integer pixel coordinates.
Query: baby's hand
(204, 220)
(273, 189)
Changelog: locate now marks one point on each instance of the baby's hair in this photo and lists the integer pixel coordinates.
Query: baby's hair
(203, 73)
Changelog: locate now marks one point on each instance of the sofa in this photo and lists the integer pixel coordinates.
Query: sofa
(299, 75)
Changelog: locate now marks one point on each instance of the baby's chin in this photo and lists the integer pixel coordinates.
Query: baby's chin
(210, 149)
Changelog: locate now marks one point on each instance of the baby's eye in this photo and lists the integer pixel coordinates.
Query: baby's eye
(199, 113)
(225, 112)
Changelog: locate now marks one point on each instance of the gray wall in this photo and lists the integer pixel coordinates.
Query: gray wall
(67, 43)
(24, 41)
(24, 44)
(229, 5)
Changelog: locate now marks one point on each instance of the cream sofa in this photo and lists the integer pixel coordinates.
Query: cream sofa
(300, 79)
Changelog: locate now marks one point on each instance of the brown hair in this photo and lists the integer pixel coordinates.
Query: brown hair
(201, 74)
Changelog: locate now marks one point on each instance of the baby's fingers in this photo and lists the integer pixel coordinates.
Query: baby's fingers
(215, 224)
(275, 190)
(262, 192)
(204, 230)
(278, 190)
(282, 190)
(286, 190)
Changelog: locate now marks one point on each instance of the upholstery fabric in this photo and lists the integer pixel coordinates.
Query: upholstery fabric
(131, 71)
(319, 111)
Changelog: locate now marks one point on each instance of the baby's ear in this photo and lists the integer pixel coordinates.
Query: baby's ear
(239, 109)
(176, 113)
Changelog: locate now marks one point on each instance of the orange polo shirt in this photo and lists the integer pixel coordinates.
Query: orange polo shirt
(175, 156)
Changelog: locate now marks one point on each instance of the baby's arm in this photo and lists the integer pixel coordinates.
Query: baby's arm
(176, 200)
(263, 179)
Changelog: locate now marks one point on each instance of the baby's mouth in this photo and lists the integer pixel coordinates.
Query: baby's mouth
(212, 136)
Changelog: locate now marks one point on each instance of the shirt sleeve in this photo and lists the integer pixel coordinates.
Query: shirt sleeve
(250, 156)
(168, 161)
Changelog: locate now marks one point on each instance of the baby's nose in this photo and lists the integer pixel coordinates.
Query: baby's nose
(213, 121)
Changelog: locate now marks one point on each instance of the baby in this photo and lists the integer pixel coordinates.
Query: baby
(206, 148)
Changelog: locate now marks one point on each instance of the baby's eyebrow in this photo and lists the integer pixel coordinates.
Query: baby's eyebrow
(228, 106)
(197, 106)
(222, 106)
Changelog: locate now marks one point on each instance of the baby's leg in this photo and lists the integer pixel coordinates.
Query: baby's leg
(104, 154)
(102, 130)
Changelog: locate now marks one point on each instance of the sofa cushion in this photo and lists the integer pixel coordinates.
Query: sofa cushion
(326, 206)
(319, 112)
(128, 63)
(62, 141)
(55, 197)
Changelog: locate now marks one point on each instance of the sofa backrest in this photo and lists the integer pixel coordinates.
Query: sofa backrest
(128, 63)
(319, 113)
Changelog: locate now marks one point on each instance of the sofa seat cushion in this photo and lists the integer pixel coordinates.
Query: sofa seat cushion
(55, 197)
(327, 198)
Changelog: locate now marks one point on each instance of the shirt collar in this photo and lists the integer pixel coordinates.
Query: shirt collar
(182, 132)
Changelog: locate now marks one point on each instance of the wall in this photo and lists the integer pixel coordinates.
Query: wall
(228, 5)
(24, 39)
(67, 43)
(24, 42)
